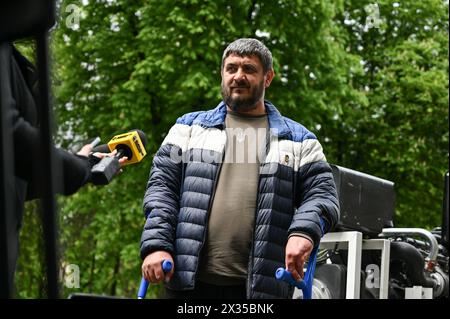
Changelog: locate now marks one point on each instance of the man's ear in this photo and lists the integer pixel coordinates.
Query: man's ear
(268, 78)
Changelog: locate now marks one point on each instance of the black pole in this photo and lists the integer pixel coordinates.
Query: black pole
(445, 212)
(19, 19)
(7, 233)
(48, 203)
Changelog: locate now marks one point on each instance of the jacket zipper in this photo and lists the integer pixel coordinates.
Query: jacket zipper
(252, 250)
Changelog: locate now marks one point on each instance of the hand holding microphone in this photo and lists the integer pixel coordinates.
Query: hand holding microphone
(127, 148)
(95, 154)
(87, 149)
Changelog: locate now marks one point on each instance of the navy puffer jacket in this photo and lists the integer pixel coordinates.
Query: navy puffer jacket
(296, 194)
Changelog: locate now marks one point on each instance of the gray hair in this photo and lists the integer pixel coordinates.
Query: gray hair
(247, 47)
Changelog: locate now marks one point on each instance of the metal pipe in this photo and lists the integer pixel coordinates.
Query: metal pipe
(434, 246)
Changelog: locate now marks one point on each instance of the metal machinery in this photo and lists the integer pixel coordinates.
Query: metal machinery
(366, 257)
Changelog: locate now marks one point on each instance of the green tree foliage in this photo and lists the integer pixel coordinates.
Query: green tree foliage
(30, 273)
(402, 133)
(375, 97)
(143, 65)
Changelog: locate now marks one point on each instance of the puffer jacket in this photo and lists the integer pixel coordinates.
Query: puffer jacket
(296, 194)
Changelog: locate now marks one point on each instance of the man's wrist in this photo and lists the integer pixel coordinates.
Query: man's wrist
(300, 234)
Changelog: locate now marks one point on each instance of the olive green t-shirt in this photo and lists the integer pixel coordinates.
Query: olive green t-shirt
(225, 255)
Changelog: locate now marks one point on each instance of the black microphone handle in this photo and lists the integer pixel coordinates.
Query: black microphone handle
(104, 171)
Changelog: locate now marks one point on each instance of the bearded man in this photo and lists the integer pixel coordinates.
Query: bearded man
(236, 192)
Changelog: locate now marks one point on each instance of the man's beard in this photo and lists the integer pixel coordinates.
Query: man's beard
(243, 104)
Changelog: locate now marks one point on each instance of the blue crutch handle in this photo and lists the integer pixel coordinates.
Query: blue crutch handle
(142, 288)
(285, 275)
(166, 266)
(306, 284)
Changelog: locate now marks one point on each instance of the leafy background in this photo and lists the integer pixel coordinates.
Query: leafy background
(377, 98)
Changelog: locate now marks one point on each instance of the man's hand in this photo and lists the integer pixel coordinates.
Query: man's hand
(298, 250)
(152, 267)
(122, 160)
(87, 149)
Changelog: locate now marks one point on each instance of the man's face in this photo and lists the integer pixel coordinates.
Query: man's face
(243, 82)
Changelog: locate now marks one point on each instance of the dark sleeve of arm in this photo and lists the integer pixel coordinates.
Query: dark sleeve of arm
(73, 171)
(161, 201)
(318, 205)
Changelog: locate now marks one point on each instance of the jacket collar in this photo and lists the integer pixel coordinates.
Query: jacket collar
(216, 118)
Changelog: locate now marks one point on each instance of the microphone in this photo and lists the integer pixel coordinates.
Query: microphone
(102, 148)
(131, 144)
(105, 148)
